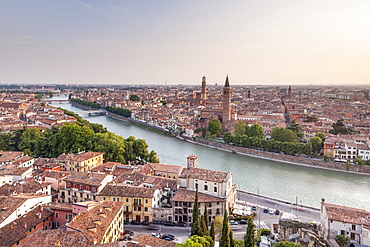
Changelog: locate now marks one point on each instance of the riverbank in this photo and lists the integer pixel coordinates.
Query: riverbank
(289, 159)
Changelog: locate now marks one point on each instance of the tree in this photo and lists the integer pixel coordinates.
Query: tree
(325, 158)
(287, 244)
(249, 240)
(196, 227)
(228, 137)
(199, 130)
(197, 241)
(225, 238)
(212, 231)
(231, 239)
(256, 130)
(206, 222)
(339, 128)
(316, 144)
(341, 240)
(239, 128)
(134, 97)
(321, 135)
(217, 225)
(296, 128)
(214, 127)
(283, 135)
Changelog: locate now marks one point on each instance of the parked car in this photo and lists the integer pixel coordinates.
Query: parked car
(168, 237)
(243, 222)
(266, 210)
(181, 224)
(128, 232)
(254, 208)
(277, 212)
(233, 222)
(135, 222)
(155, 234)
(145, 223)
(271, 211)
(169, 223)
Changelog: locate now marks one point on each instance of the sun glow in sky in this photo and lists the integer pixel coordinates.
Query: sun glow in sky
(153, 42)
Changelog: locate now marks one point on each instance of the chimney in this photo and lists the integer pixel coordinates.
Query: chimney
(322, 204)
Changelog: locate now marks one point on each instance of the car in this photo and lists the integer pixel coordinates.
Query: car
(277, 212)
(169, 223)
(243, 222)
(254, 208)
(271, 211)
(266, 210)
(145, 223)
(128, 232)
(168, 236)
(135, 222)
(155, 234)
(181, 224)
(233, 222)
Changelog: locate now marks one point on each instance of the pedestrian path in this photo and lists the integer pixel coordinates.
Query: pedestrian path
(260, 225)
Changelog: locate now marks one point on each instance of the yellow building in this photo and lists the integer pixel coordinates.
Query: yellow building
(80, 162)
(139, 201)
(101, 224)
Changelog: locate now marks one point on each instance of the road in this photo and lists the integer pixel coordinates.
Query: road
(302, 213)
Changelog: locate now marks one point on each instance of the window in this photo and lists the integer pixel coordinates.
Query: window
(215, 189)
(146, 209)
(146, 200)
(68, 185)
(196, 185)
(126, 199)
(117, 199)
(354, 227)
(56, 215)
(342, 232)
(93, 189)
(138, 208)
(80, 186)
(205, 187)
(210, 204)
(87, 187)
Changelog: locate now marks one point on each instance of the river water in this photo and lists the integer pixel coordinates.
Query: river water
(269, 178)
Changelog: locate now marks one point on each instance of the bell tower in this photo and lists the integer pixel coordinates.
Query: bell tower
(204, 88)
(226, 104)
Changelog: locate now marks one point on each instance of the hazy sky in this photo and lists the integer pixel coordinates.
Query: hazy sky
(150, 42)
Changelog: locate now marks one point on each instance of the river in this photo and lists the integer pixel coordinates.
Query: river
(269, 178)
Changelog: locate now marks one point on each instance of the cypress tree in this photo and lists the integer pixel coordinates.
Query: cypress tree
(206, 222)
(225, 240)
(232, 244)
(195, 227)
(202, 226)
(212, 231)
(249, 240)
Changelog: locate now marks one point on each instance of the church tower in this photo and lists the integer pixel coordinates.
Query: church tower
(289, 92)
(226, 104)
(204, 88)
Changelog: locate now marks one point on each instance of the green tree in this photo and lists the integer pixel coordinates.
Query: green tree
(256, 130)
(325, 158)
(341, 240)
(134, 97)
(218, 223)
(321, 135)
(339, 128)
(316, 144)
(225, 237)
(196, 227)
(283, 135)
(197, 241)
(249, 238)
(359, 161)
(214, 127)
(200, 130)
(232, 244)
(296, 128)
(239, 128)
(206, 222)
(212, 231)
(228, 137)
(287, 244)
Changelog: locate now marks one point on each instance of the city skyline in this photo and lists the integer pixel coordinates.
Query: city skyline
(121, 42)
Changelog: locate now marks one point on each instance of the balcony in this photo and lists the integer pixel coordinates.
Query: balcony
(138, 204)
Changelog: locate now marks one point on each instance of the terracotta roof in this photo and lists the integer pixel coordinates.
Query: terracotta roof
(22, 186)
(127, 191)
(204, 174)
(16, 230)
(94, 179)
(8, 204)
(167, 168)
(146, 240)
(348, 215)
(106, 211)
(6, 156)
(50, 238)
(79, 157)
(55, 174)
(184, 195)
